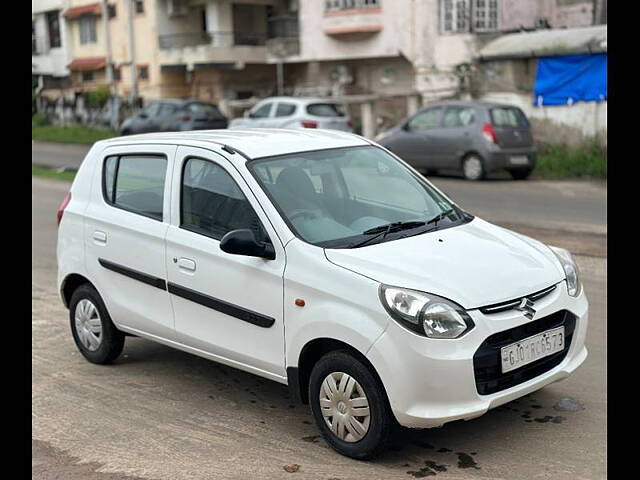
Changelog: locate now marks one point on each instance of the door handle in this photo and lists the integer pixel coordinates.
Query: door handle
(186, 264)
(100, 237)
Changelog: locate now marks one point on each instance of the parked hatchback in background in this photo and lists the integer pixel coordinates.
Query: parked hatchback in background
(175, 115)
(294, 112)
(319, 260)
(473, 137)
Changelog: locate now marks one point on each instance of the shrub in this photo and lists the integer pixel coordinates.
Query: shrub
(39, 120)
(587, 161)
(97, 98)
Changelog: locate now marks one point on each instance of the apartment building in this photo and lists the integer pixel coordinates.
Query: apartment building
(49, 55)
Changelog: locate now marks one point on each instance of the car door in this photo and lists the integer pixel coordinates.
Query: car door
(415, 143)
(456, 134)
(125, 226)
(230, 306)
(147, 121)
(283, 114)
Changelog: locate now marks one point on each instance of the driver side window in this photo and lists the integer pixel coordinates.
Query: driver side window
(425, 120)
(212, 204)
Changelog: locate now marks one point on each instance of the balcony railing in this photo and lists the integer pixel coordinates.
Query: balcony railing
(216, 39)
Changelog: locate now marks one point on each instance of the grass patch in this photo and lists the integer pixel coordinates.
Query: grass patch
(558, 162)
(78, 135)
(46, 172)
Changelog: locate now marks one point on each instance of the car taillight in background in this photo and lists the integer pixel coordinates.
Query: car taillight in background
(309, 124)
(350, 124)
(489, 133)
(184, 118)
(62, 206)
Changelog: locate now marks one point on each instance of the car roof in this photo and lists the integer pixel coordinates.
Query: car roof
(251, 143)
(298, 99)
(467, 103)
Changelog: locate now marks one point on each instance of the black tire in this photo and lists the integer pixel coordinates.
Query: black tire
(382, 423)
(477, 173)
(111, 339)
(125, 132)
(521, 173)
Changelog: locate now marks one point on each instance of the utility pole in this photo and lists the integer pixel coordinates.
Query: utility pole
(132, 53)
(109, 65)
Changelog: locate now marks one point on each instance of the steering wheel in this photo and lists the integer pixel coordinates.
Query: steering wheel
(303, 212)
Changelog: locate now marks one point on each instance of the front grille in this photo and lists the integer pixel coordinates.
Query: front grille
(509, 304)
(487, 365)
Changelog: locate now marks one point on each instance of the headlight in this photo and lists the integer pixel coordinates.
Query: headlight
(425, 313)
(570, 270)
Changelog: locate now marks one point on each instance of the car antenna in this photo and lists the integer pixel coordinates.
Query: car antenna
(228, 149)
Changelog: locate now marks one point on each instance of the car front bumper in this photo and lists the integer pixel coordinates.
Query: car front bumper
(431, 382)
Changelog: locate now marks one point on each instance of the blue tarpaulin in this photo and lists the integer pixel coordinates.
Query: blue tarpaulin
(567, 79)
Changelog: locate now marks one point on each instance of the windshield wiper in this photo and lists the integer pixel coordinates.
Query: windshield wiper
(383, 230)
(440, 216)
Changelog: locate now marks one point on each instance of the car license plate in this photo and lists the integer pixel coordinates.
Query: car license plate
(531, 349)
(519, 160)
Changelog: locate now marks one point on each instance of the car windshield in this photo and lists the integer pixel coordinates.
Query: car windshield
(351, 197)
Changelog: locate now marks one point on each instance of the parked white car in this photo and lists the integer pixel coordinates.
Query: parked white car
(295, 112)
(320, 260)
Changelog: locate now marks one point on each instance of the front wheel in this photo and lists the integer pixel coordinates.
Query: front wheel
(473, 168)
(350, 406)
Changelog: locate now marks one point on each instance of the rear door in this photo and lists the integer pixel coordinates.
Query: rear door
(456, 134)
(260, 116)
(284, 114)
(125, 227)
(229, 306)
(511, 126)
(205, 116)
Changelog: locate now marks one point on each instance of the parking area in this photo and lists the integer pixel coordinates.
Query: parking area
(159, 413)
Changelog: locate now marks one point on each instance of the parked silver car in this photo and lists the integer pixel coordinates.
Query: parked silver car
(295, 112)
(172, 115)
(473, 137)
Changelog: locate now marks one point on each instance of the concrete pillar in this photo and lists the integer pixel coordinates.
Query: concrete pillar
(368, 119)
(413, 104)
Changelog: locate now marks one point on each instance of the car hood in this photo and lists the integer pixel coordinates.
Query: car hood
(474, 264)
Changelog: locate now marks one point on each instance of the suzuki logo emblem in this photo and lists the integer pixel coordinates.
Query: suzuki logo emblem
(526, 307)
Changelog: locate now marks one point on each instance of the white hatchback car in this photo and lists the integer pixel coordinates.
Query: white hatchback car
(295, 112)
(320, 260)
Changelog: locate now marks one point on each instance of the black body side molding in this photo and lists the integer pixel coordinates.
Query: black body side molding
(136, 275)
(221, 306)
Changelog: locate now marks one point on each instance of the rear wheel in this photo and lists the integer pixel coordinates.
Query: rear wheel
(95, 335)
(350, 406)
(521, 173)
(473, 167)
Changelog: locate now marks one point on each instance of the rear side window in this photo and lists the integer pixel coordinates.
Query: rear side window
(285, 109)
(325, 110)
(457, 117)
(205, 108)
(136, 183)
(213, 204)
(508, 117)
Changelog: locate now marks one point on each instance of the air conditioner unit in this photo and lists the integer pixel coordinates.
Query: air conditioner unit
(177, 8)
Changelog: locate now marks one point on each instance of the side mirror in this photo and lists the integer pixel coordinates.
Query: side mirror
(243, 242)
(405, 126)
(247, 114)
(143, 115)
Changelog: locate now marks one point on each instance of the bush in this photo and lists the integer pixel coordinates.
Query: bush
(97, 98)
(587, 161)
(39, 120)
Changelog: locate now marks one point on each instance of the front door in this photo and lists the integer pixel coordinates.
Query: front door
(229, 306)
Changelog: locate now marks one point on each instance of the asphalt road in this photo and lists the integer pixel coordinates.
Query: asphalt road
(158, 413)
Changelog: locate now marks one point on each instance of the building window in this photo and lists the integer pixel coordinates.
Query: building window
(111, 11)
(53, 26)
(87, 76)
(139, 6)
(34, 42)
(455, 15)
(485, 15)
(143, 73)
(87, 26)
(117, 74)
(331, 5)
